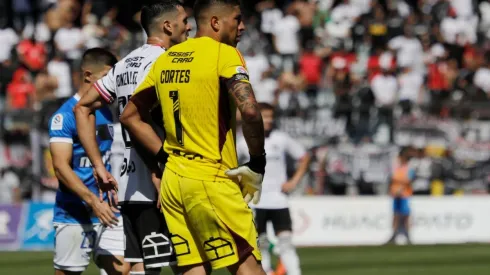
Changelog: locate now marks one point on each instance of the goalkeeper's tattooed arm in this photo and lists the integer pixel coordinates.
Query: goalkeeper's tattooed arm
(253, 126)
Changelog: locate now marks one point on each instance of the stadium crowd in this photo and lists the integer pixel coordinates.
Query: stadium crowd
(339, 72)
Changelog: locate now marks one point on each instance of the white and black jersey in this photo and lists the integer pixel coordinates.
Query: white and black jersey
(119, 84)
(277, 146)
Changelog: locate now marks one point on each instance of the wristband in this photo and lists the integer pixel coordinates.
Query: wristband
(161, 156)
(257, 163)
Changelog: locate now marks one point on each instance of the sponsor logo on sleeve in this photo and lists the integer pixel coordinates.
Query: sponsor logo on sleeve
(57, 122)
(241, 70)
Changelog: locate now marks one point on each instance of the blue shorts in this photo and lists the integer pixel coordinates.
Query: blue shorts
(401, 206)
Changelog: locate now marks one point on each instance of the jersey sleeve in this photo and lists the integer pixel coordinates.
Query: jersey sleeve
(106, 86)
(293, 148)
(231, 64)
(148, 82)
(62, 128)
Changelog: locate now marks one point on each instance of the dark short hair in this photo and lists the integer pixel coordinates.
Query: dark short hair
(263, 106)
(98, 56)
(200, 6)
(151, 12)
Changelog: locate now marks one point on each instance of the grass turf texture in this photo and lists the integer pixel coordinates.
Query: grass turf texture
(471, 259)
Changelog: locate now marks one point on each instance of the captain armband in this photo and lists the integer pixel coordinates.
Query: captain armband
(239, 77)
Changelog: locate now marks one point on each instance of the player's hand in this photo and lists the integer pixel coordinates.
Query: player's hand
(107, 184)
(105, 213)
(250, 176)
(288, 186)
(156, 179)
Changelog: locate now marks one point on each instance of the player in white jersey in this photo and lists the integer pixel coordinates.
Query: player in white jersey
(147, 238)
(273, 206)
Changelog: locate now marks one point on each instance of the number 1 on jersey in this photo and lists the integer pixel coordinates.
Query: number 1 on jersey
(174, 95)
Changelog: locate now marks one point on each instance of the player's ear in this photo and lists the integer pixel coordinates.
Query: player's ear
(215, 23)
(87, 76)
(167, 27)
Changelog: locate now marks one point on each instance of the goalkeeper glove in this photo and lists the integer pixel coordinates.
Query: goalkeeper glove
(250, 175)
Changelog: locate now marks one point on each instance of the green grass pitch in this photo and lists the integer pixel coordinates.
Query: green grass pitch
(471, 259)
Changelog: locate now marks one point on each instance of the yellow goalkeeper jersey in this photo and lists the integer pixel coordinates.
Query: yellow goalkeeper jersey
(198, 114)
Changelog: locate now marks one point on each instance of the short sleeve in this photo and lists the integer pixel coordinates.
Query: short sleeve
(106, 86)
(148, 82)
(295, 149)
(231, 64)
(62, 128)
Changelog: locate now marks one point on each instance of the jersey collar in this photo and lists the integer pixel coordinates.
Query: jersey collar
(156, 45)
(77, 97)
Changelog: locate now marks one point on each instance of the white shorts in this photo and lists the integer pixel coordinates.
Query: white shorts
(74, 243)
(110, 240)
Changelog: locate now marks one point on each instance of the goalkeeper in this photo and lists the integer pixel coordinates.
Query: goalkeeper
(198, 83)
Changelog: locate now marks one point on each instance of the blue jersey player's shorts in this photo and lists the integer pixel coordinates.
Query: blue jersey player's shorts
(76, 243)
(401, 206)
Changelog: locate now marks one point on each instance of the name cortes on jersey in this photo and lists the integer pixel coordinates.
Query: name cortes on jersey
(175, 76)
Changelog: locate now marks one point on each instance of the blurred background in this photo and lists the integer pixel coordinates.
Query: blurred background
(355, 81)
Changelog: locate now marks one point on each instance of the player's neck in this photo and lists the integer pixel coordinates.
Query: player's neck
(206, 33)
(83, 89)
(159, 41)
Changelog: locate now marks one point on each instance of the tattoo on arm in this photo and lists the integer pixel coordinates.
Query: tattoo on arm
(253, 126)
(244, 97)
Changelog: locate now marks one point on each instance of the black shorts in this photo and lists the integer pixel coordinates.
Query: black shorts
(147, 238)
(280, 218)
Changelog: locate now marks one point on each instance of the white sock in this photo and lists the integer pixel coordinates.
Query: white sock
(287, 253)
(102, 272)
(266, 255)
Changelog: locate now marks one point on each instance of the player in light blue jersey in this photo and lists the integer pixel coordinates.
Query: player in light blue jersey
(83, 223)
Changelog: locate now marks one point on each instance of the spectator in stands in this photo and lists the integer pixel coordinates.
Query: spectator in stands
(9, 39)
(411, 90)
(340, 82)
(32, 54)
(21, 91)
(93, 32)
(286, 40)
(291, 97)
(270, 17)
(408, 50)
(267, 90)
(482, 76)
(60, 69)
(257, 65)
(343, 17)
(378, 28)
(46, 86)
(385, 89)
(437, 80)
(305, 11)
(311, 68)
(69, 39)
